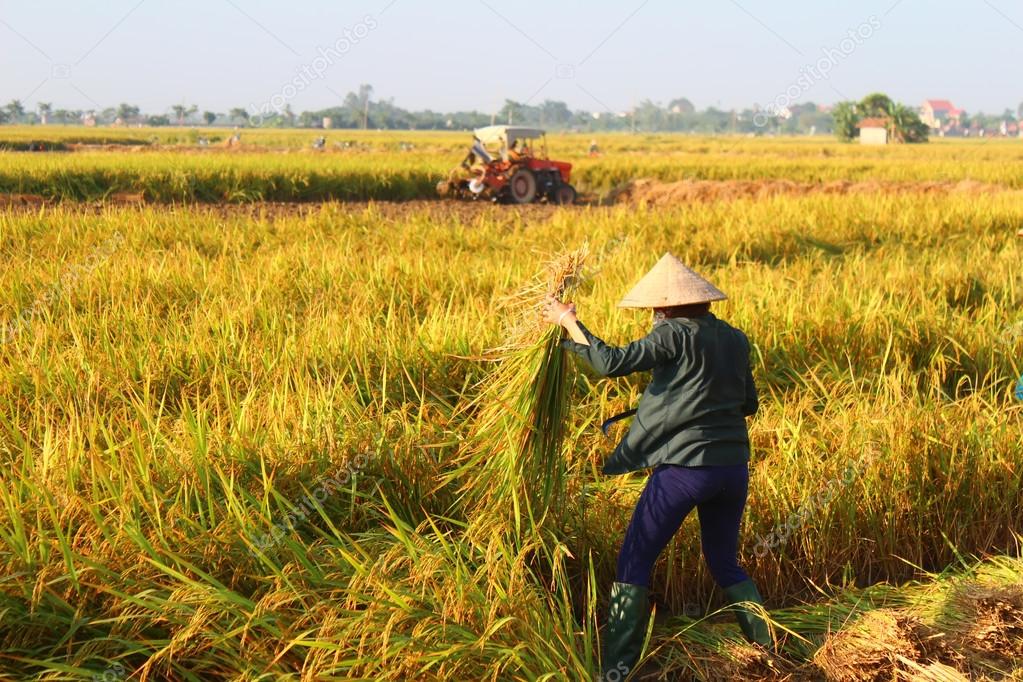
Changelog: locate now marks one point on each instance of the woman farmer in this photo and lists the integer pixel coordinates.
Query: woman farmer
(690, 428)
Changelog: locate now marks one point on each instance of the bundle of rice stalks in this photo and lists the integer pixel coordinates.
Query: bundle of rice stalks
(883, 645)
(987, 623)
(512, 469)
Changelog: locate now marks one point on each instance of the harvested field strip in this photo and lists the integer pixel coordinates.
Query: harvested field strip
(645, 192)
(655, 193)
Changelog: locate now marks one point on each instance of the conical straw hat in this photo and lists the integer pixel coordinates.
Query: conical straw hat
(670, 283)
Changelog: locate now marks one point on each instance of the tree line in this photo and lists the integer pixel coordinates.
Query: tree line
(359, 109)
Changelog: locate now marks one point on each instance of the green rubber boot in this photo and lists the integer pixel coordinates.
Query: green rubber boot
(752, 623)
(627, 618)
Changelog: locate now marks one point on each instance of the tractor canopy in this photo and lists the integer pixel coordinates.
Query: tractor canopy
(498, 138)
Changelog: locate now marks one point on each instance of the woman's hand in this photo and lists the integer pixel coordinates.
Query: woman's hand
(557, 312)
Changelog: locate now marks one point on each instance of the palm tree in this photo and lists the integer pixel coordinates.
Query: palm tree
(874, 105)
(904, 124)
(897, 122)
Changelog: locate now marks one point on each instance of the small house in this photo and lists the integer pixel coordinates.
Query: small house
(873, 131)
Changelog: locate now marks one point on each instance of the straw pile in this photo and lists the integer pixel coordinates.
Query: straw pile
(882, 645)
(977, 636)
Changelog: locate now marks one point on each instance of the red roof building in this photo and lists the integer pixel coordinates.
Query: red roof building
(939, 113)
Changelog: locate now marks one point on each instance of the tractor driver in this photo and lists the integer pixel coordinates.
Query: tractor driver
(513, 152)
(517, 154)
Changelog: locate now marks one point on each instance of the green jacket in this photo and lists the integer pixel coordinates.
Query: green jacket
(693, 412)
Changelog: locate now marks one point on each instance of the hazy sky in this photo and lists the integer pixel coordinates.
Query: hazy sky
(472, 54)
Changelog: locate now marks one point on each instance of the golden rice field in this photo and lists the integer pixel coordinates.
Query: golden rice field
(332, 441)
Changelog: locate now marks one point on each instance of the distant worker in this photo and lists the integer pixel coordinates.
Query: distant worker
(594, 149)
(235, 140)
(690, 428)
(320, 142)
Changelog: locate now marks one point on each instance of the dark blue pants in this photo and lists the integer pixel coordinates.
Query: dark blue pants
(719, 495)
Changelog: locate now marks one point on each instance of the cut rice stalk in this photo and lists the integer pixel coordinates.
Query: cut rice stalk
(513, 472)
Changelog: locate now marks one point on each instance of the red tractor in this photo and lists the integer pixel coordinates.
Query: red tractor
(504, 165)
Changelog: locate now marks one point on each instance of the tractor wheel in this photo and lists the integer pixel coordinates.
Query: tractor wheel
(522, 186)
(563, 194)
